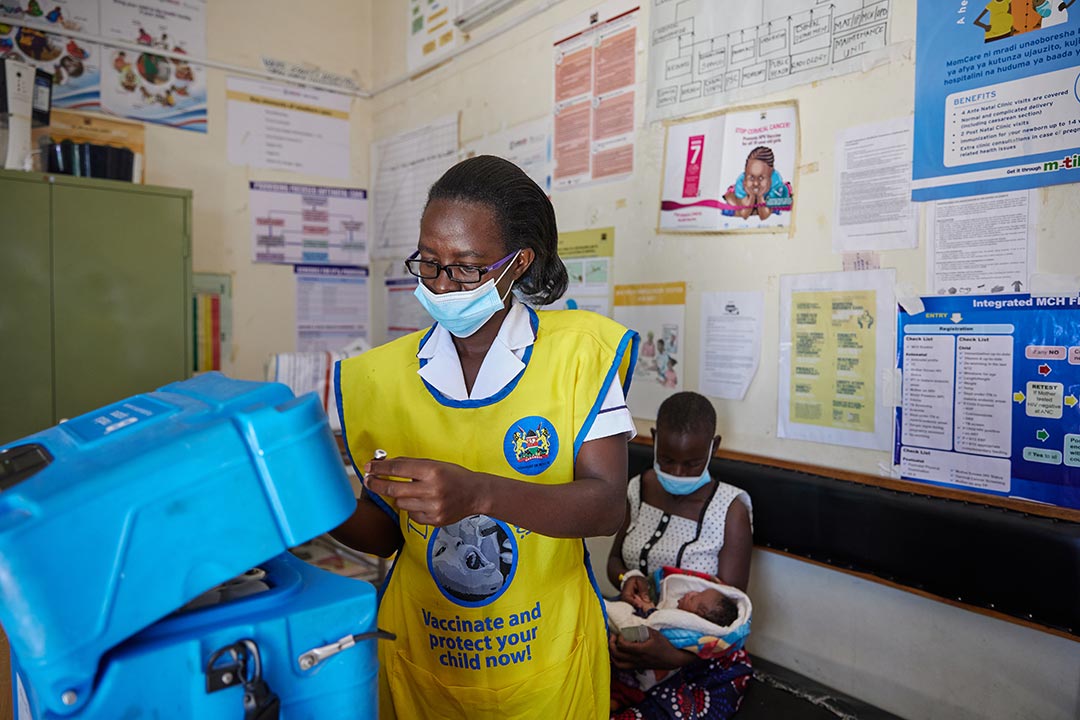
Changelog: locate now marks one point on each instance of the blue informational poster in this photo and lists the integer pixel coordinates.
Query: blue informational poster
(997, 102)
(991, 396)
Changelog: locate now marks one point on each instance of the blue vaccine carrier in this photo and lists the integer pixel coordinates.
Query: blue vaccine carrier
(144, 569)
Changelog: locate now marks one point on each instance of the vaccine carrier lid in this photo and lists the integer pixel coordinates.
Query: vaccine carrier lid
(112, 520)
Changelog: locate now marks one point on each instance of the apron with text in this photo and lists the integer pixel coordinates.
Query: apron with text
(492, 620)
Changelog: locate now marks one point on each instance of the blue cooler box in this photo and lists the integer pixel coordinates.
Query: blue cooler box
(164, 671)
(113, 520)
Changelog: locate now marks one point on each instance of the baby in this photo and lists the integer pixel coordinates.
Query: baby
(710, 604)
(695, 614)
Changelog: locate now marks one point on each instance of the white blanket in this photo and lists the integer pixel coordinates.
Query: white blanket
(668, 616)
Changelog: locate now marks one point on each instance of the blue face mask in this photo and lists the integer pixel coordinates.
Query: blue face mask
(463, 312)
(678, 484)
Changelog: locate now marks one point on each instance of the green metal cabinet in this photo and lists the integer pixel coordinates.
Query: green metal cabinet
(95, 295)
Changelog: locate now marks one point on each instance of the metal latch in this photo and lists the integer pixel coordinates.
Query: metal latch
(313, 657)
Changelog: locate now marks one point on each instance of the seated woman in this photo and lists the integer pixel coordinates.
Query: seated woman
(694, 613)
(677, 515)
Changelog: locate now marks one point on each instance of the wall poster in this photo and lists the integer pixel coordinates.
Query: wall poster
(731, 172)
(74, 64)
(308, 224)
(588, 256)
(836, 333)
(658, 312)
(991, 396)
(431, 35)
(147, 86)
(143, 85)
(284, 127)
(996, 96)
(706, 54)
(331, 307)
(595, 73)
(403, 168)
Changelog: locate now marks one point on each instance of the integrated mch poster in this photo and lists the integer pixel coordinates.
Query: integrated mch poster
(991, 396)
(997, 96)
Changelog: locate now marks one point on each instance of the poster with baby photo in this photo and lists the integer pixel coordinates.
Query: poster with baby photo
(148, 85)
(73, 63)
(731, 172)
(657, 311)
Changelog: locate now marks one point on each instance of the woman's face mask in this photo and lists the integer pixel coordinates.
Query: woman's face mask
(679, 484)
(465, 311)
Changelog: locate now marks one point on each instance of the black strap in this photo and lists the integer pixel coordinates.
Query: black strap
(241, 664)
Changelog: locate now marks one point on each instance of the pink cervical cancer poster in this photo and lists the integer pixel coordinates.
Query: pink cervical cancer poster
(731, 172)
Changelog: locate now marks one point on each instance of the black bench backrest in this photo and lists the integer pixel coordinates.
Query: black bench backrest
(1020, 565)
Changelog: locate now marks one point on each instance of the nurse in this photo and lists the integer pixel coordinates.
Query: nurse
(506, 430)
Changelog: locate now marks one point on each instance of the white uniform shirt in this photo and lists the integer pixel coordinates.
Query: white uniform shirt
(502, 364)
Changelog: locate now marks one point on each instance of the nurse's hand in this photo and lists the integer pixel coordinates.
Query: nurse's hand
(656, 653)
(432, 492)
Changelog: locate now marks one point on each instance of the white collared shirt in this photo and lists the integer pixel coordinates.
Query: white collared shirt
(502, 364)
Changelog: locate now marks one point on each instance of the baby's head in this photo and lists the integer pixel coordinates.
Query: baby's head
(712, 605)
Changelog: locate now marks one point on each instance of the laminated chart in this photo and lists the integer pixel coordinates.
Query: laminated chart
(836, 332)
(308, 224)
(404, 167)
(707, 53)
(595, 68)
(991, 396)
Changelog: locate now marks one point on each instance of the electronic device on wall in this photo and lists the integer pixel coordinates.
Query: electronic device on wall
(25, 102)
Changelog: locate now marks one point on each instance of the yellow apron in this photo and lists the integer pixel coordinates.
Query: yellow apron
(492, 620)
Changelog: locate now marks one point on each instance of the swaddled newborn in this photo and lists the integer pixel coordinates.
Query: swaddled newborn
(710, 603)
(696, 614)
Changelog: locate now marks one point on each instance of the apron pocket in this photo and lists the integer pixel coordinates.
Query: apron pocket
(567, 689)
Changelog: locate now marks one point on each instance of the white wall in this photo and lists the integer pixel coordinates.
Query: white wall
(915, 657)
(332, 34)
(509, 80)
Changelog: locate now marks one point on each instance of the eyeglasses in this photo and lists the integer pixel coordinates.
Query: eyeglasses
(429, 269)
